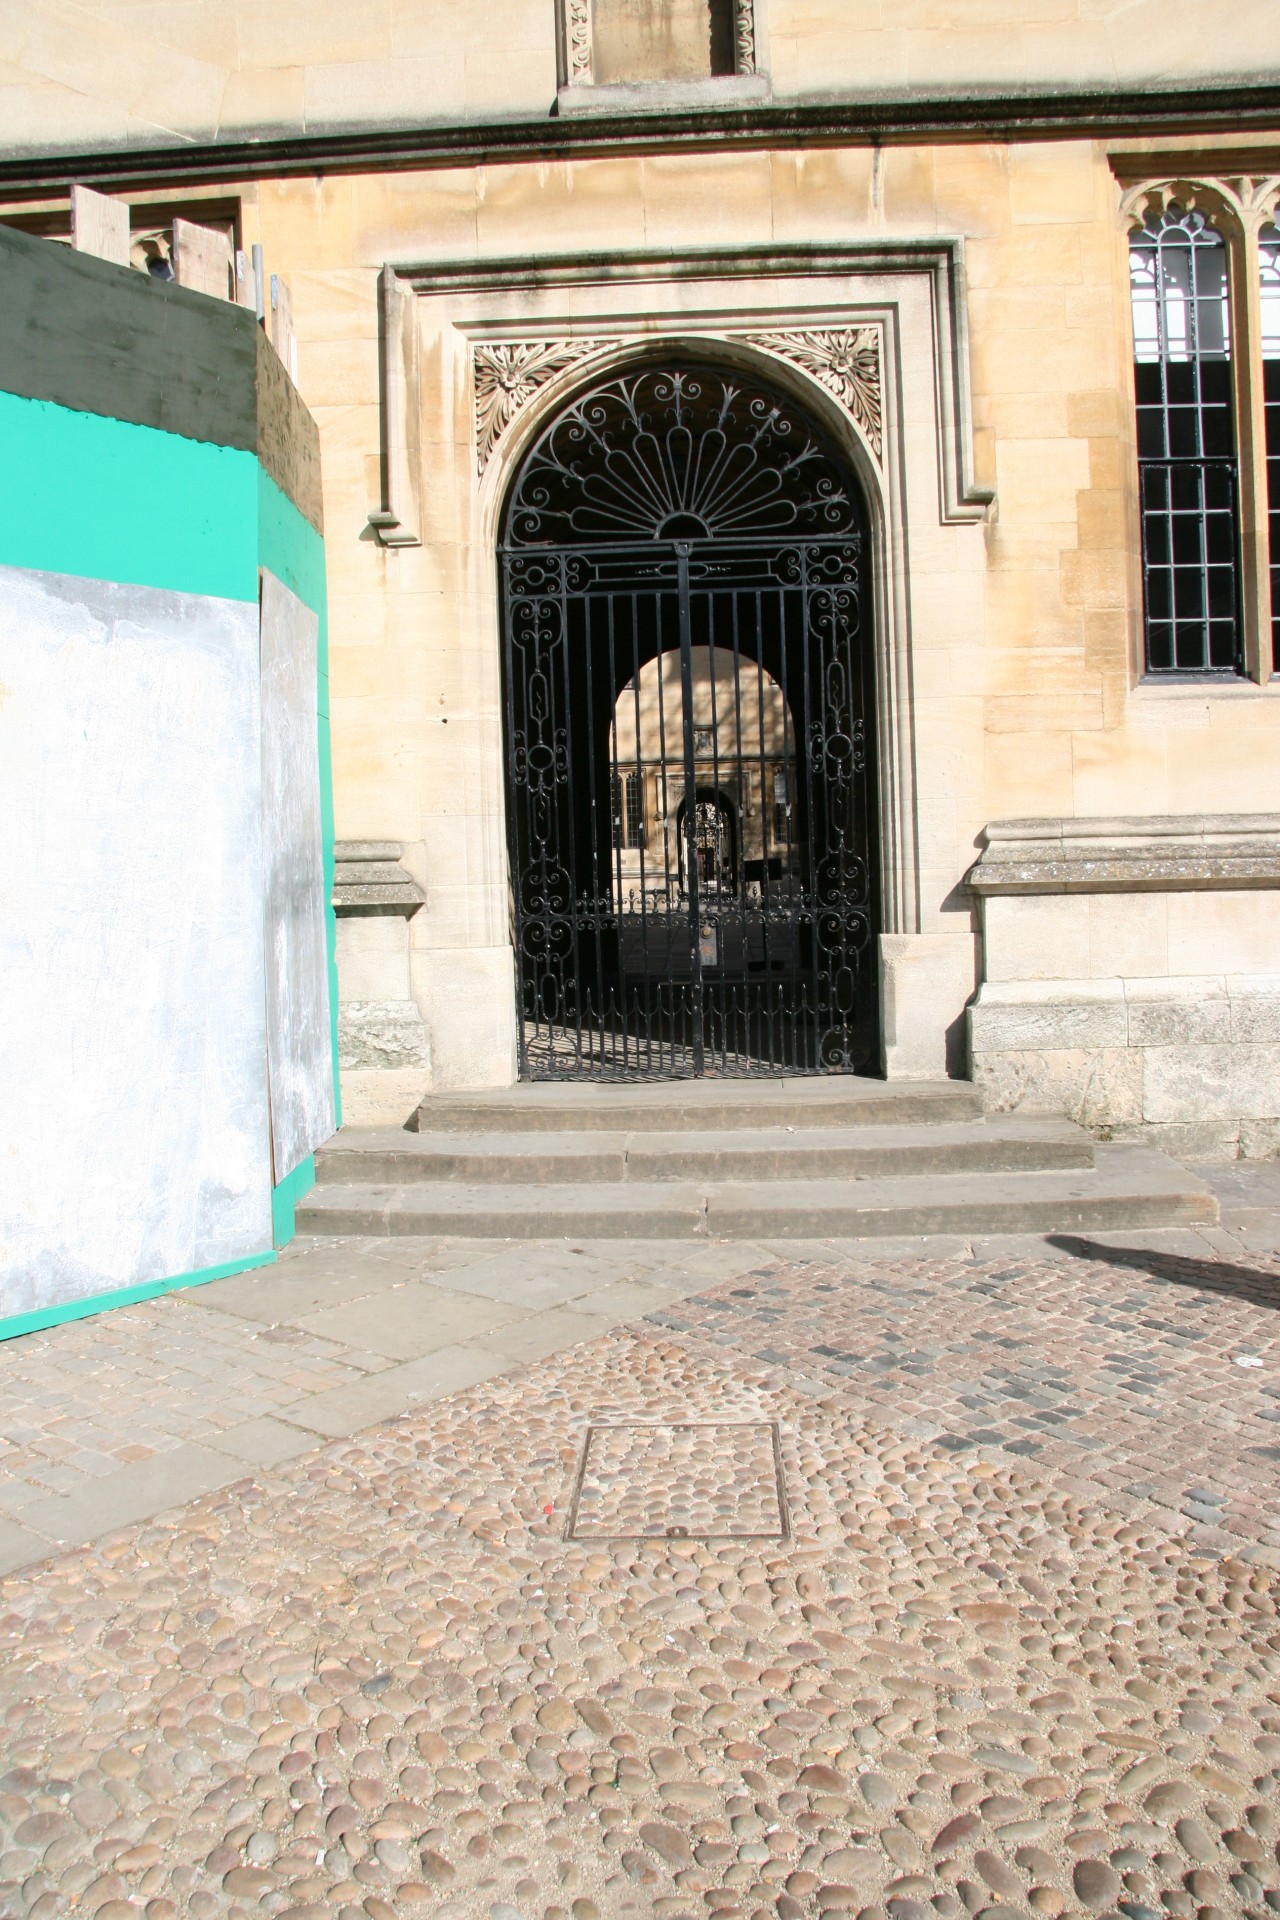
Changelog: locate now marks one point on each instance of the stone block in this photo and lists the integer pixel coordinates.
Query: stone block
(382, 1097)
(1237, 931)
(1260, 1139)
(468, 997)
(1170, 1023)
(382, 1033)
(1074, 1021)
(1210, 1082)
(1128, 934)
(1099, 1088)
(1192, 1140)
(1255, 1018)
(373, 958)
(1036, 937)
(925, 980)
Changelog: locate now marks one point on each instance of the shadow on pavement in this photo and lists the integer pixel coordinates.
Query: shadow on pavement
(1255, 1284)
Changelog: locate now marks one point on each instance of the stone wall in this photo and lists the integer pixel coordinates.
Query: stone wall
(1132, 978)
(78, 79)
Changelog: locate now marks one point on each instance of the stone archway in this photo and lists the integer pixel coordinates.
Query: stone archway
(693, 535)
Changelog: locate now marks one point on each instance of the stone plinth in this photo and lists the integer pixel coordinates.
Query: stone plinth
(1131, 977)
(384, 1053)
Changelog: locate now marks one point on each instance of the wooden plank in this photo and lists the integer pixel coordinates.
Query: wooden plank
(246, 294)
(202, 259)
(100, 225)
(282, 337)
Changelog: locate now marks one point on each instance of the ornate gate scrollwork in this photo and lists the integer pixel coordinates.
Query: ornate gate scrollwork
(687, 748)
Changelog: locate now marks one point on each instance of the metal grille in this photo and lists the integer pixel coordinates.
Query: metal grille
(686, 720)
(1269, 248)
(1186, 446)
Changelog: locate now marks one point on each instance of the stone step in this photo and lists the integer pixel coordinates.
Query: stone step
(837, 1100)
(390, 1156)
(1127, 1187)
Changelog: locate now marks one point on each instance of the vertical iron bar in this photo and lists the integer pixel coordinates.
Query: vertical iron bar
(690, 805)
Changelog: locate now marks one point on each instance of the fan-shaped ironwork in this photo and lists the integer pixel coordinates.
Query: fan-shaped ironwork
(687, 711)
(679, 453)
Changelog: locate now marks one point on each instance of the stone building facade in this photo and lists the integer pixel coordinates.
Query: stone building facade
(1015, 270)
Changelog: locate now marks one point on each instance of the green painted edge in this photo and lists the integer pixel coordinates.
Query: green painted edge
(19, 1323)
(294, 1187)
(107, 500)
(290, 547)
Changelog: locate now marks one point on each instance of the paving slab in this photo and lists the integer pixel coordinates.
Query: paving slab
(346, 1410)
(265, 1442)
(409, 1319)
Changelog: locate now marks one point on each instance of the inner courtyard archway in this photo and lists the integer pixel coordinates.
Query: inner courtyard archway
(687, 703)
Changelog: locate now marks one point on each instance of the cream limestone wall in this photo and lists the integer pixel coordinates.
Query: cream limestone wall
(1022, 629)
(1009, 640)
(949, 46)
(105, 73)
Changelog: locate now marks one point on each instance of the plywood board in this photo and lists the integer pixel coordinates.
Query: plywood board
(100, 225)
(134, 1124)
(299, 1045)
(202, 259)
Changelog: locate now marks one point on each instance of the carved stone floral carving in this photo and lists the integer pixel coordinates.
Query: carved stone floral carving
(744, 34)
(847, 362)
(577, 42)
(845, 359)
(507, 374)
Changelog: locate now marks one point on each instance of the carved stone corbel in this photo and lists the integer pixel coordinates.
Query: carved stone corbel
(398, 522)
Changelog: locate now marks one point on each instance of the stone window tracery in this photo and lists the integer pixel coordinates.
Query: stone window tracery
(1269, 302)
(1187, 473)
(1205, 281)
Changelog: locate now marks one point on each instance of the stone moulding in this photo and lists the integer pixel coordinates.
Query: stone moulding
(940, 260)
(368, 878)
(1160, 853)
(845, 360)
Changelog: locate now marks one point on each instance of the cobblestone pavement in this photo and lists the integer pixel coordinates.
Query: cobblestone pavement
(976, 1628)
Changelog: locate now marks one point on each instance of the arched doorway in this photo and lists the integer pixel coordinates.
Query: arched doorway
(688, 701)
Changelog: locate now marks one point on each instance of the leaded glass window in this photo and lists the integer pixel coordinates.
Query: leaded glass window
(1186, 445)
(1269, 250)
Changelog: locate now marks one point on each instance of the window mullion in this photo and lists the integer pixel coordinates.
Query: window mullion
(1251, 430)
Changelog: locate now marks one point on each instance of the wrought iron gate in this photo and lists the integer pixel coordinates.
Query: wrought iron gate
(687, 750)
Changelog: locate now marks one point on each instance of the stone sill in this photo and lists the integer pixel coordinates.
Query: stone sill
(1156, 853)
(720, 93)
(1154, 687)
(1132, 875)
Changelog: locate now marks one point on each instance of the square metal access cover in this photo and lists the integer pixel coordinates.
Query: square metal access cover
(689, 1481)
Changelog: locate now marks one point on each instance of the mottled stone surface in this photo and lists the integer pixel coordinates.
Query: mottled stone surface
(999, 1664)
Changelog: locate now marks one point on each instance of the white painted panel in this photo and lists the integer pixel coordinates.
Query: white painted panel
(133, 1096)
(299, 1043)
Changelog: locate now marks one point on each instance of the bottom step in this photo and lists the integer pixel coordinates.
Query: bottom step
(1128, 1187)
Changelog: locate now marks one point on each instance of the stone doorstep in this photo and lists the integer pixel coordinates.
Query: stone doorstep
(1129, 1186)
(840, 1100)
(387, 1155)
